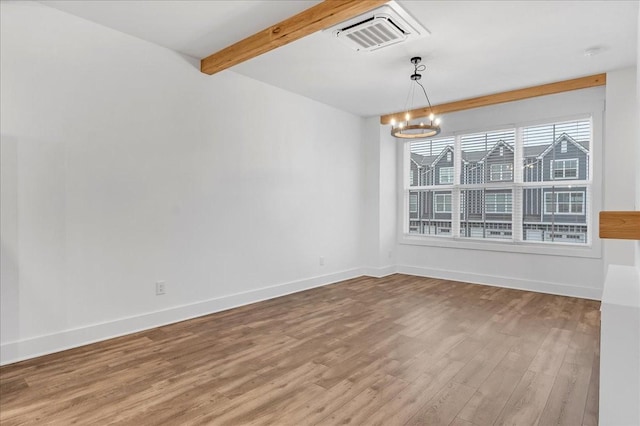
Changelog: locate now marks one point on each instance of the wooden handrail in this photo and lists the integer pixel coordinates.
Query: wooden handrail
(620, 225)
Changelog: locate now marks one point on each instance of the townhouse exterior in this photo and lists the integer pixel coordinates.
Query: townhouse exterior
(551, 210)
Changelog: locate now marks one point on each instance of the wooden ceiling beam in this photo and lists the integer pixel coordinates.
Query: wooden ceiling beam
(620, 225)
(316, 18)
(498, 98)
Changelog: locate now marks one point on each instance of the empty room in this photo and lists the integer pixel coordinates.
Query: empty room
(301, 212)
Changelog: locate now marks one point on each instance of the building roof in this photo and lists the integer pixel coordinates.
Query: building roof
(565, 137)
(530, 152)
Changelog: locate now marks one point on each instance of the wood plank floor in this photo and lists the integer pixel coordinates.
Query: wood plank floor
(399, 350)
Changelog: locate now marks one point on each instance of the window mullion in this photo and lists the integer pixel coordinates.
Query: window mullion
(517, 213)
(455, 193)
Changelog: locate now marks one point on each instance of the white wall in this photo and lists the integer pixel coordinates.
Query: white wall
(371, 219)
(379, 231)
(122, 165)
(620, 325)
(621, 139)
(552, 273)
(637, 144)
(637, 207)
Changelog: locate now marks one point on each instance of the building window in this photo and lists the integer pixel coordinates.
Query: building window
(446, 175)
(564, 169)
(564, 202)
(496, 198)
(501, 172)
(498, 202)
(442, 203)
(413, 203)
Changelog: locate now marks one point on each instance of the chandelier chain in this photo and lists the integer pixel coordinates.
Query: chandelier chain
(405, 129)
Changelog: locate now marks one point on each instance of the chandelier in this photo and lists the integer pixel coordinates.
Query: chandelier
(416, 130)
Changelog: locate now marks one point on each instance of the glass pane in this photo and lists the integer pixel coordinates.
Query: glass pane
(433, 213)
(561, 219)
(431, 162)
(487, 157)
(557, 151)
(486, 213)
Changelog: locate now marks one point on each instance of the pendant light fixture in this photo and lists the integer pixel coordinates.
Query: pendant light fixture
(416, 130)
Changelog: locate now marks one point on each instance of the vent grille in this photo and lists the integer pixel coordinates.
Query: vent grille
(385, 26)
(378, 32)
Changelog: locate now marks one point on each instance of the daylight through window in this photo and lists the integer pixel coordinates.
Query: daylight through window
(523, 184)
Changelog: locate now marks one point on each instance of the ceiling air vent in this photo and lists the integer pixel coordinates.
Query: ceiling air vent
(381, 27)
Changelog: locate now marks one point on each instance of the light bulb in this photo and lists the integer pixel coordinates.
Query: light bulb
(407, 117)
(431, 116)
(401, 125)
(438, 121)
(393, 122)
(421, 124)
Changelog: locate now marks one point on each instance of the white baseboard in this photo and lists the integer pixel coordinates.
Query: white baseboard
(376, 272)
(498, 281)
(30, 348)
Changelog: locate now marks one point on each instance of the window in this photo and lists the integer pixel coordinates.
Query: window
(564, 169)
(497, 199)
(564, 202)
(501, 172)
(442, 203)
(446, 175)
(413, 203)
(426, 157)
(498, 203)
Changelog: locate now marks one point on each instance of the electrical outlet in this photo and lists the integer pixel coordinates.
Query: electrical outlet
(161, 288)
(321, 260)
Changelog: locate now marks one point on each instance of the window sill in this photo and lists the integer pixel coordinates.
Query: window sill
(550, 249)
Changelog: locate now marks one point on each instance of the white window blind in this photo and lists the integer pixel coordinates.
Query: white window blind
(428, 158)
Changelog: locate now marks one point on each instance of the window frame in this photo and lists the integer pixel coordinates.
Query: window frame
(552, 169)
(496, 203)
(501, 172)
(555, 203)
(417, 201)
(436, 203)
(450, 175)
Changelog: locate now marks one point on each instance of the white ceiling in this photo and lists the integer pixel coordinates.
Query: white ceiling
(475, 47)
